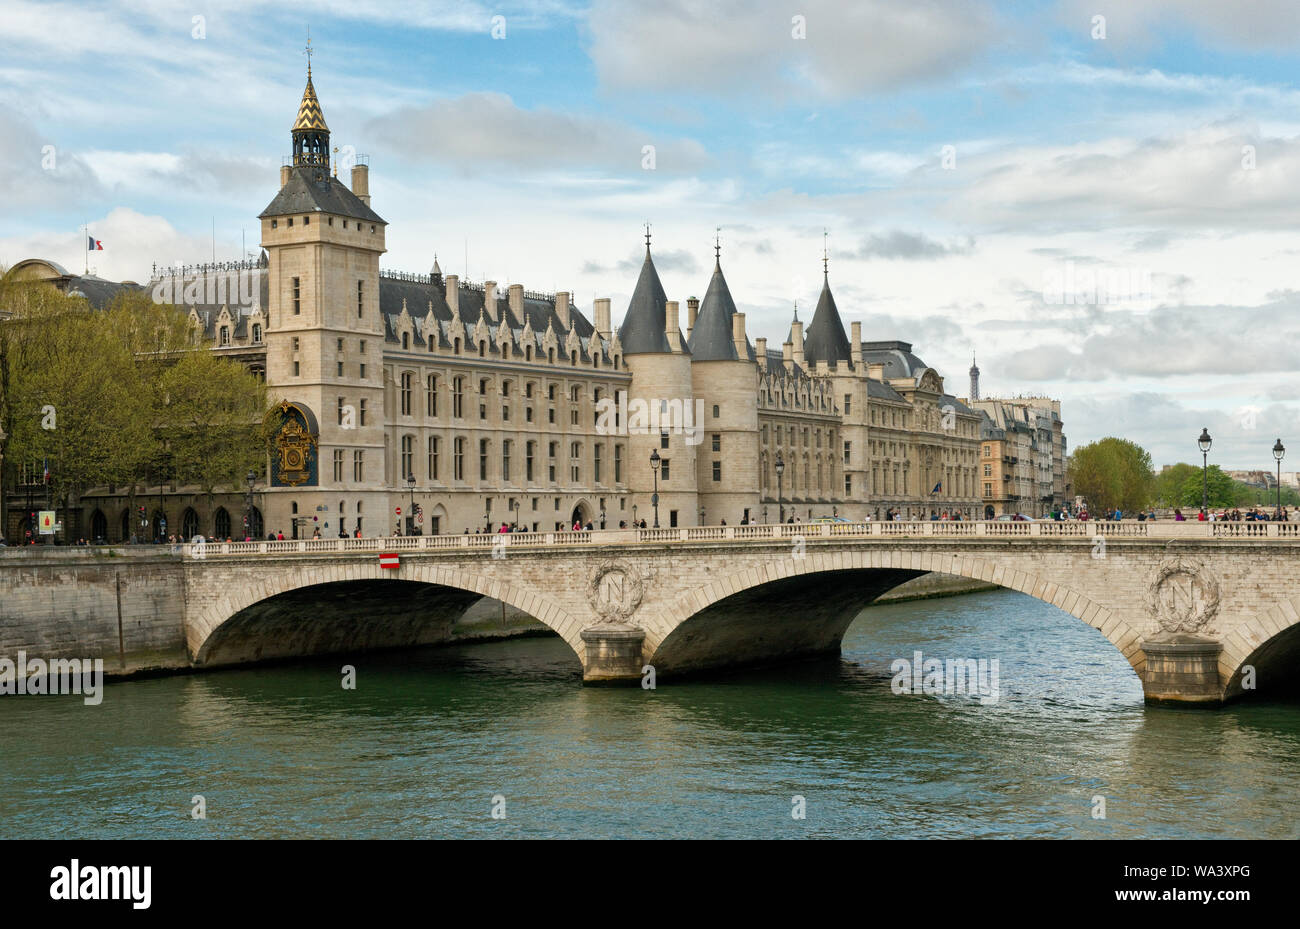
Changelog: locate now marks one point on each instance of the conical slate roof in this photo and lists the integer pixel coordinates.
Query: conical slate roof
(825, 339)
(711, 338)
(310, 115)
(642, 331)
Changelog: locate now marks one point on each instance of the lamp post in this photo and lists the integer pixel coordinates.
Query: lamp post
(1278, 452)
(654, 498)
(602, 517)
(1204, 443)
(635, 524)
(701, 516)
(764, 515)
(248, 508)
(410, 513)
(514, 507)
(780, 470)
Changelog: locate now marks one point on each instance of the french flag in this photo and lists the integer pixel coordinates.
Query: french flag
(94, 245)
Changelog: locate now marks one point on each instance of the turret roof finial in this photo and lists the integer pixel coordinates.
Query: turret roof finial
(647, 240)
(796, 311)
(717, 248)
(825, 256)
(307, 52)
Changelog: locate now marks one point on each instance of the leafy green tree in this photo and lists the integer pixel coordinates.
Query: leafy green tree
(1169, 484)
(1111, 474)
(1222, 490)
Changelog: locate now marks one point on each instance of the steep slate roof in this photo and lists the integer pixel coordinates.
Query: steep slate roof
(642, 331)
(883, 391)
(896, 356)
(310, 190)
(825, 339)
(711, 337)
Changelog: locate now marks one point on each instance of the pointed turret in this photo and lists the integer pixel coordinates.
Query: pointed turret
(712, 337)
(311, 137)
(825, 339)
(642, 331)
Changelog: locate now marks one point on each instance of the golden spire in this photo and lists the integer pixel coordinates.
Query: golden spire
(310, 116)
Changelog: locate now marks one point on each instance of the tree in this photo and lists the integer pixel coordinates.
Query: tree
(1169, 484)
(1222, 489)
(1112, 474)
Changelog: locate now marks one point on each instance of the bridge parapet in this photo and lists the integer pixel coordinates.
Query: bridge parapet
(1209, 531)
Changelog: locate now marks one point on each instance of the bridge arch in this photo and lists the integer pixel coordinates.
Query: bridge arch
(874, 571)
(1268, 642)
(207, 627)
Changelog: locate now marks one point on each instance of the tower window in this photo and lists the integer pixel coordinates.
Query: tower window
(306, 220)
(297, 294)
(290, 222)
(360, 296)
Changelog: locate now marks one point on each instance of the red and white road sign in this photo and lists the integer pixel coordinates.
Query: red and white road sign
(399, 511)
(388, 560)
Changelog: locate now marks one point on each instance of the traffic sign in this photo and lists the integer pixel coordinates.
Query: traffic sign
(388, 560)
(399, 511)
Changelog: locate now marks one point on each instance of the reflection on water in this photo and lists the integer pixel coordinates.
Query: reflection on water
(427, 738)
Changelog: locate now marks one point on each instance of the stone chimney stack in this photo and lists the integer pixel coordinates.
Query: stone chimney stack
(855, 347)
(285, 171)
(760, 349)
(361, 183)
(516, 297)
(490, 301)
(672, 325)
(602, 318)
(453, 294)
(692, 311)
(787, 356)
(738, 336)
(796, 336)
(876, 371)
(562, 308)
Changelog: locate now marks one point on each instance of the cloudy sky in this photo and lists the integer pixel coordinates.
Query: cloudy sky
(1102, 211)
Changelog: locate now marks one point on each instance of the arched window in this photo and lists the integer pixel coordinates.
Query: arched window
(406, 340)
(224, 336)
(221, 523)
(257, 333)
(255, 528)
(189, 524)
(98, 527)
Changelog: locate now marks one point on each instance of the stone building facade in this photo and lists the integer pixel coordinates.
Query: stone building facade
(479, 404)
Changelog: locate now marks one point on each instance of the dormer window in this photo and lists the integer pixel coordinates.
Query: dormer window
(224, 336)
(257, 333)
(406, 340)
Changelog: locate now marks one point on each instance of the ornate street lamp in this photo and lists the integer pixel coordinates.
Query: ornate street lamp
(780, 470)
(654, 498)
(635, 524)
(248, 509)
(1278, 452)
(602, 517)
(1204, 442)
(410, 513)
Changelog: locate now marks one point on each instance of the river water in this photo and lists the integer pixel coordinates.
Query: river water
(428, 739)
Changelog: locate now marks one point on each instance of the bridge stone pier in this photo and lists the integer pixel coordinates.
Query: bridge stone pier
(1202, 612)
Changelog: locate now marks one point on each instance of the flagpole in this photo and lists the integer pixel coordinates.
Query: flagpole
(85, 239)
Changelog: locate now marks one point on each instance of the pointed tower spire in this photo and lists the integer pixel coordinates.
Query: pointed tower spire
(311, 137)
(713, 338)
(643, 326)
(824, 339)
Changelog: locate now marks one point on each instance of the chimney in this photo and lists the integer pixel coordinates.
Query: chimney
(760, 349)
(692, 311)
(516, 297)
(876, 371)
(738, 336)
(787, 356)
(490, 301)
(602, 318)
(672, 325)
(453, 294)
(562, 308)
(285, 171)
(855, 347)
(796, 336)
(361, 183)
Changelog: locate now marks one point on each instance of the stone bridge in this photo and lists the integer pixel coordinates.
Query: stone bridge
(1201, 611)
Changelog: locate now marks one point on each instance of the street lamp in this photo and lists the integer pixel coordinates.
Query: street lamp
(602, 517)
(635, 524)
(1278, 452)
(654, 498)
(701, 516)
(780, 470)
(410, 513)
(251, 477)
(1204, 443)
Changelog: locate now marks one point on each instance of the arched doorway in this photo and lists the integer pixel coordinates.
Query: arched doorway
(189, 524)
(988, 512)
(98, 527)
(580, 515)
(221, 523)
(124, 526)
(255, 528)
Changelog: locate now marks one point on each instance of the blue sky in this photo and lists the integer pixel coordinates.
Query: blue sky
(520, 159)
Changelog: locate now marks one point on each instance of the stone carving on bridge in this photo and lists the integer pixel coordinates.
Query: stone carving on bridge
(617, 588)
(1183, 596)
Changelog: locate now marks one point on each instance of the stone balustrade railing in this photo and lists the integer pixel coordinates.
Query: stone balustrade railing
(1250, 531)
